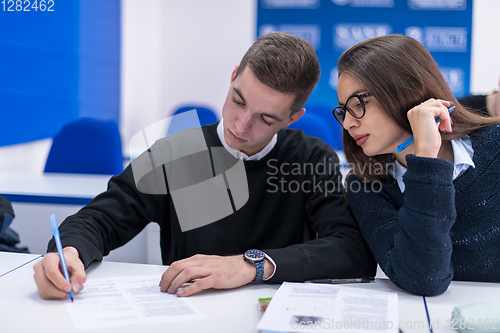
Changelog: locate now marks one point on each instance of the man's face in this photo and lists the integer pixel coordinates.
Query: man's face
(254, 112)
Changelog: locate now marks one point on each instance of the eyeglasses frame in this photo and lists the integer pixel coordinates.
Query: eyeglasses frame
(345, 109)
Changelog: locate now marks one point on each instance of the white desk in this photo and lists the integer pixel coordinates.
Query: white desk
(24, 311)
(54, 188)
(225, 310)
(35, 197)
(10, 261)
(460, 293)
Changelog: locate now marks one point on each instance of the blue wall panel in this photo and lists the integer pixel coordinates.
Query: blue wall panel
(38, 71)
(57, 66)
(332, 26)
(100, 59)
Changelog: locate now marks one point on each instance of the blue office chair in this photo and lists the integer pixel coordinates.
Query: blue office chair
(315, 125)
(86, 145)
(326, 114)
(205, 115)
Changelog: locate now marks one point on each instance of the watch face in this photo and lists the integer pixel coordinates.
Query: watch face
(254, 255)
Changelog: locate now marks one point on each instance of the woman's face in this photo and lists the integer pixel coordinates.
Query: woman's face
(376, 132)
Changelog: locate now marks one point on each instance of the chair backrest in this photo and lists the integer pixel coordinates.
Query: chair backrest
(205, 115)
(86, 145)
(315, 125)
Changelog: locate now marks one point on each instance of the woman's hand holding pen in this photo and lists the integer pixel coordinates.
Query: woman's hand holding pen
(49, 279)
(425, 129)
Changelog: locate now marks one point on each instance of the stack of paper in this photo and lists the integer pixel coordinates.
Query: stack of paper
(123, 301)
(310, 307)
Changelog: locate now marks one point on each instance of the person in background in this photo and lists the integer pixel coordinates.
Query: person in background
(267, 91)
(429, 212)
(9, 239)
(488, 105)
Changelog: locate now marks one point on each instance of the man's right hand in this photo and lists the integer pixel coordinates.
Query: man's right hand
(49, 278)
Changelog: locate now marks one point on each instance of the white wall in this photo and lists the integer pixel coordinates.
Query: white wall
(176, 52)
(485, 62)
(26, 158)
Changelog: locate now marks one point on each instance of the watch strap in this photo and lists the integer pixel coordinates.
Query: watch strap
(260, 270)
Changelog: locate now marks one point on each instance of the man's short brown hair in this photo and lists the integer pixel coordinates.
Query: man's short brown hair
(285, 63)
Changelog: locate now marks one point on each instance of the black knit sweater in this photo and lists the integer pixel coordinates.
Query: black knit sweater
(286, 208)
(439, 229)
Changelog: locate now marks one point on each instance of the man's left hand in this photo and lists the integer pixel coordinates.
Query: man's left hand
(208, 271)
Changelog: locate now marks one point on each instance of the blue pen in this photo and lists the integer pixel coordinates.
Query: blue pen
(410, 140)
(57, 238)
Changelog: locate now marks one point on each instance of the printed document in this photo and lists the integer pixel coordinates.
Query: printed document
(311, 307)
(123, 301)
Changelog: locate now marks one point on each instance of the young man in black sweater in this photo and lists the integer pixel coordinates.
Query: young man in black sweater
(294, 195)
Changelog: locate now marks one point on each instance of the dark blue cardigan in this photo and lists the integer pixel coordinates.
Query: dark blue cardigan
(439, 230)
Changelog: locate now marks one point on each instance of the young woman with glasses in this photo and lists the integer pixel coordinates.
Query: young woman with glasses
(436, 215)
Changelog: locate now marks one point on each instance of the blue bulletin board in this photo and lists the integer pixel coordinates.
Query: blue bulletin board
(59, 60)
(332, 26)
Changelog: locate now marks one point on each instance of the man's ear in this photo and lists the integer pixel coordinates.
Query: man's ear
(296, 116)
(235, 72)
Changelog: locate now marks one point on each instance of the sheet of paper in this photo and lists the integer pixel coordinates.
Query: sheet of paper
(306, 307)
(123, 301)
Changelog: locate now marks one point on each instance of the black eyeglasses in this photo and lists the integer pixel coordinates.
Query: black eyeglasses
(355, 105)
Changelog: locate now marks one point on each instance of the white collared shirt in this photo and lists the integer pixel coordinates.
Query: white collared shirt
(260, 155)
(238, 154)
(462, 152)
